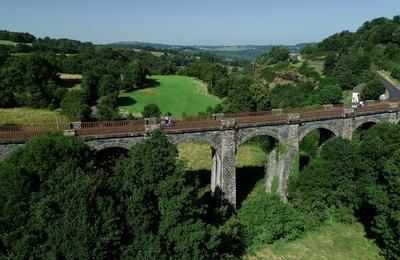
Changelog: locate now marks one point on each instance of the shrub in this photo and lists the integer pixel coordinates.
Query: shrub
(331, 94)
(266, 219)
(396, 73)
(74, 105)
(372, 90)
(151, 110)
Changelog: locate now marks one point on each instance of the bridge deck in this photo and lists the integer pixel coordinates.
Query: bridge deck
(20, 133)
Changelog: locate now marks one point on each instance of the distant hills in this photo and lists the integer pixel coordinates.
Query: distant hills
(229, 51)
(248, 52)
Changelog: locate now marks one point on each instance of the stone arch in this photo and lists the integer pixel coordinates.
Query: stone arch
(211, 140)
(360, 123)
(259, 132)
(6, 149)
(198, 138)
(106, 155)
(248, 175)
(108, 145)
(319, 126)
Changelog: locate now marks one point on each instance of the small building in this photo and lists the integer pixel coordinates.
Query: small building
(356, 96)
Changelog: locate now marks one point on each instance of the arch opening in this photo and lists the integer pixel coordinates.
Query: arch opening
(107, 158)
(359, 132)
(203, 162)
(257, 167)
(310, 145)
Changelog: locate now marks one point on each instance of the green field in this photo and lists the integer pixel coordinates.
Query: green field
(30, 116)
(174, 94)
(4, 42)
(330, 241)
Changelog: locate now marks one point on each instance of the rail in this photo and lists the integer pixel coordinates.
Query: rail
(23, 132)
(200, 123)
(109, 127)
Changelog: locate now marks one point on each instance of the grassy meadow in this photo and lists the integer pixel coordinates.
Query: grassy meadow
(5, 42)
(30, 116)
(330, 241)
(175, 94)
(71, 81)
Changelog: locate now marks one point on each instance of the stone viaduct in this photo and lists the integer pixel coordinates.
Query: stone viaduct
(225, 134)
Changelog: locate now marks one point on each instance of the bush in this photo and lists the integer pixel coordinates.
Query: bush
(108, 108)
(266, 219)
(278, 54)
(74, 105)
(372, 90)
(151, 110)
(331, 94)
(396, 73)
(288, 96)
(328, 181)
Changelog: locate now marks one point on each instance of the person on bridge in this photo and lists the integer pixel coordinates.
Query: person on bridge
(168, 120)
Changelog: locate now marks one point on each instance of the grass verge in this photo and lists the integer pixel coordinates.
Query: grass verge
(30, 116)
(5, 42)
(331, 241)
(386, 74)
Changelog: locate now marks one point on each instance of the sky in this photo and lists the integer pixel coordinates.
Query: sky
(192, 22)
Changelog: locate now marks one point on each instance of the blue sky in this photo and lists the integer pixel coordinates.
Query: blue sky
(190, 22)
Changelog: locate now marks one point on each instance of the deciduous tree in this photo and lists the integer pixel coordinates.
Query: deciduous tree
(74, 105)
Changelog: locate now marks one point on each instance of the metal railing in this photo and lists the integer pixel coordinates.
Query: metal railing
(273, 117)
(109, 127)
(23, 132)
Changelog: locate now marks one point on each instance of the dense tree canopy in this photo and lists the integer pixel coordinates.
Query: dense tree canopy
(134, 75)
(55, 203)
(74, 106)
(169, 225)
(372, 90)
(330, 94)
(275, 55)
(108, 107)
(17, 36)
(29, 80)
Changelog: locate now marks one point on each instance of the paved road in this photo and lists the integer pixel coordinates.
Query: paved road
(394, 93)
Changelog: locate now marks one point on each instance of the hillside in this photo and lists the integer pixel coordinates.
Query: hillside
(348, 55)
(228, 51)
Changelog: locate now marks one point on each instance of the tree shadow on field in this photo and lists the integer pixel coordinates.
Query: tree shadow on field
(126, 101)
(246, 179)
(150, 83)
(202, 176)
(69, 83)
